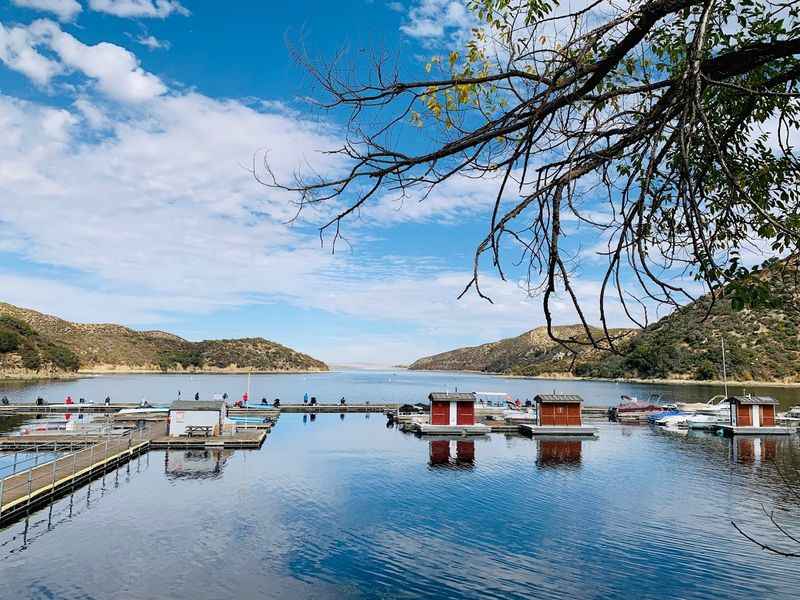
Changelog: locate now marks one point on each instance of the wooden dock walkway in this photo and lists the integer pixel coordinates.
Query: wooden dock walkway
(29, 489)
(253, 438)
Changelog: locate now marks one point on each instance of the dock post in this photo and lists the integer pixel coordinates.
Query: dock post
(53, 483)
(2, 481)
(30, 485)
(16, 452)
(35, 455)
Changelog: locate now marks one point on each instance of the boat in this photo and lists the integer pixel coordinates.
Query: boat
(655, 417)
(705, 422)
(716, 412)
(136, 411)
(674, 419)
(633, 410)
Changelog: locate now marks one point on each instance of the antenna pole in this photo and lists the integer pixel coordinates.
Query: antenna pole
(724, 369)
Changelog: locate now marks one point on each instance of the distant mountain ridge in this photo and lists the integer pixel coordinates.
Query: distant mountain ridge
(532, 353)
(36, 344)
(762, 341)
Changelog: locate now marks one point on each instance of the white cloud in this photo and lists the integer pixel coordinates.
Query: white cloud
(65, 10)
(17, 51)
(430, 20)
(153, 43)
(115, 69)
(139, 8)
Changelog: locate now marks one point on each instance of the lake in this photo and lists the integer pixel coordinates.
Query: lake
(394, 386)
(342, 506)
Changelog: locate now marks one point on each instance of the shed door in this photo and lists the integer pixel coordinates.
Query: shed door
(767, 416)
(465, 413)
(574, 414)
(561, 414)
(743, 418)
(547, 415)
(440, 413)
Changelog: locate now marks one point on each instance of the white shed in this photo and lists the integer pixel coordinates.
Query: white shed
(196, 413)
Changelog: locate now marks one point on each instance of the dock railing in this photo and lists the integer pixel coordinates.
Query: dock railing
(22, 487)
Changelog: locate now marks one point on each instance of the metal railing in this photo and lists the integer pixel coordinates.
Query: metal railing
(21, 487)
(30, 457)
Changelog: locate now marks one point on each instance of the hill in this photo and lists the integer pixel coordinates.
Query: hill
(761, 333)
(532, 353)
(36, 344)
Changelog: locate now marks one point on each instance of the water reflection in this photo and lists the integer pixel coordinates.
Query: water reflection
(195, 464)
(754, 450)
(21, 535)
(558, 453)
(451, 453)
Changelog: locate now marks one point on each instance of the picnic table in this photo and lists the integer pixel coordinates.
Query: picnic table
(199, 430)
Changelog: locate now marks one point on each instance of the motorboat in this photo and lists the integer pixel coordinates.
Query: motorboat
(705, 422)
(675, 419)
(714, 413)
(693, 407)
(633, 410)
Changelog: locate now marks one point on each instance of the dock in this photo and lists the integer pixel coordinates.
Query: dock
(39, 485)
(39, 409)
(253, 439)
(731, 430)
(557, 430)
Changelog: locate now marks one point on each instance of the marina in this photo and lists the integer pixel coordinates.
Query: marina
(270, 469)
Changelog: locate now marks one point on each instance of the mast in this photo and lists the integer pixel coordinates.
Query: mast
(724, 369)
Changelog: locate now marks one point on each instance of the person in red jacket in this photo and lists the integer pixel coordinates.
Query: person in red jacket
(69, 400)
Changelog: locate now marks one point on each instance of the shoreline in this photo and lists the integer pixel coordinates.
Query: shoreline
(558, 377)
(98, 372)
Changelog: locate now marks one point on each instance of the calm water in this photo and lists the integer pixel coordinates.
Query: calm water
(345, 507)
(356, 386)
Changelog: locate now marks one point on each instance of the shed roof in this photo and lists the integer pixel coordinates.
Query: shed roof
(558, 399)
(197, 405)
(452, 397)
(753, 400)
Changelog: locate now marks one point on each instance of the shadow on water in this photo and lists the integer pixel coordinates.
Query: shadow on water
(195, 464)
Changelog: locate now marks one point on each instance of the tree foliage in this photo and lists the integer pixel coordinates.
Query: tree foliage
(664, 126)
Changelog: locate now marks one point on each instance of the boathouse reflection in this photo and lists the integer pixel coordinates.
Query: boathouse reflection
(451, 453)
(558, 453)
(754, 450)
(195, 464)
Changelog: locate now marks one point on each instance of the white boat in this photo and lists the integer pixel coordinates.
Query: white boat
(693, 407)
(706, 422)
(135, 411)
(673, 420)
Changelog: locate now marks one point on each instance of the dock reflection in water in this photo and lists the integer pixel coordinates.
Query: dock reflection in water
(756, 449)
(452, 453)
(195, 464)
(556, 453)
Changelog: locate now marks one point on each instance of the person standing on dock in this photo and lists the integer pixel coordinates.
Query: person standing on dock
(69, 400)
(197, 395)
(108, 400)
(305, 398)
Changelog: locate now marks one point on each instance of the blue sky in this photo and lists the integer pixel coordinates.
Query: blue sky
(128, 127)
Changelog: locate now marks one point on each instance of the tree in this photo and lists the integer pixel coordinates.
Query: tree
(662, 125)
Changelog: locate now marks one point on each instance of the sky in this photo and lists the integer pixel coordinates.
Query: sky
(129, 128)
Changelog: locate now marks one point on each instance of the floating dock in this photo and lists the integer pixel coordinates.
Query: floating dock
(731, 430)
(29, 489)
(241, 439)
(457, 430)
(38, 409)
(558, 430)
